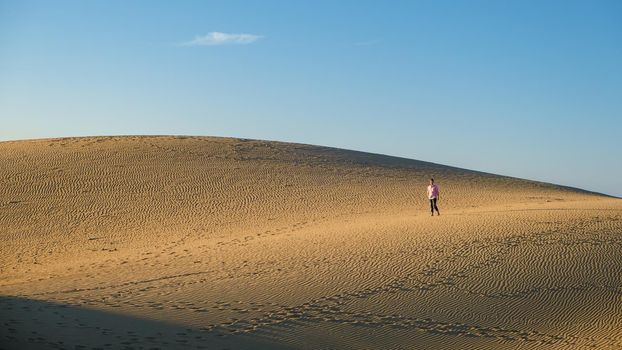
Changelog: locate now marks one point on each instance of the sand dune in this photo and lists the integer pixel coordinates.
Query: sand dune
(214, 243)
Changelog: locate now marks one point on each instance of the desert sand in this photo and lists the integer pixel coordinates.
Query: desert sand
(220, 243)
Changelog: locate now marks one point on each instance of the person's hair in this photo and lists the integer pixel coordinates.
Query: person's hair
(431, 179)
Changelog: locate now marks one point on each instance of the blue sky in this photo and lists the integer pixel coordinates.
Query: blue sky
(530, 89)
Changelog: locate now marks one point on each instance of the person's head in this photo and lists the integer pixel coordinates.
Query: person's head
(431, 181)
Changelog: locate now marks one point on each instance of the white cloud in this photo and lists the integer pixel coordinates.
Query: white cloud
(219, 38)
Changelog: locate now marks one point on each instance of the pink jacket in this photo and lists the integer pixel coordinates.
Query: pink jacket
(432, 191)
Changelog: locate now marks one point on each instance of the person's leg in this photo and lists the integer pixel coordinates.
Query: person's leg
(432, 206)
(436, 207)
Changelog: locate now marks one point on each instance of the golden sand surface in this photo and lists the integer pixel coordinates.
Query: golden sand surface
(169, 242)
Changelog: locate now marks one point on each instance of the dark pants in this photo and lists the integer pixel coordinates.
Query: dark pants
(433, 205)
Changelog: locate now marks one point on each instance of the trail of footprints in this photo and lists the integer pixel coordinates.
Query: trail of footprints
(329, 308)
(438, 274)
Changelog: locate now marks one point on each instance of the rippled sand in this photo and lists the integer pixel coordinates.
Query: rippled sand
(214, 243)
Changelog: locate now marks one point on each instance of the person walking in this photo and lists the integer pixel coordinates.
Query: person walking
(433, 196)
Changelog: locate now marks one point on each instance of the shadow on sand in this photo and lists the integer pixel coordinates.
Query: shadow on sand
(34, 324)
